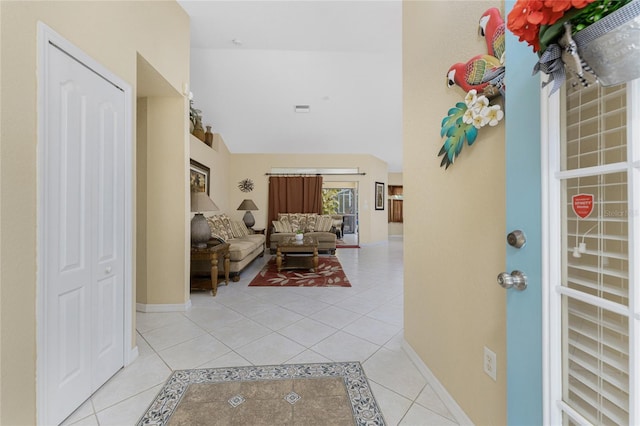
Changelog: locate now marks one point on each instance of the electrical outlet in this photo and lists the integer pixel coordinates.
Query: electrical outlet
(490, 363)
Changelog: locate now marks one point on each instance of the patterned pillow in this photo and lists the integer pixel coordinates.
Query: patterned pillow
(324, 223)
(218, 228)
(218, 237)
(294, 220)
(312, 219)
(226, 221)
(239, 229)
(281, 226)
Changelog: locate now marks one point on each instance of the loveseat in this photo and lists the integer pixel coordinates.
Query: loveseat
(317, 226)
(244, 244)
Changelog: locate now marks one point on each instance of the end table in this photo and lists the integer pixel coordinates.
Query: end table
(210, 253)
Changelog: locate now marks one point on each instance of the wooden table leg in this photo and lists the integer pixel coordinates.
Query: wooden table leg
(315, 259)
(227, 264)
(279, 259)
(214, 273)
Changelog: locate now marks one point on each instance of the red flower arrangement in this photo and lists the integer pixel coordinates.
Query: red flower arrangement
(527, 17)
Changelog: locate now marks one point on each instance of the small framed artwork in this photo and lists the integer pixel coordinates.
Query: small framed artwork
(199, 177)
(379, 196)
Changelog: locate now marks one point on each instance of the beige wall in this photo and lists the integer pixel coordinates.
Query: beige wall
(167, 240)
(217, 158)
(113, 33)
(454, 219)
(372, 223)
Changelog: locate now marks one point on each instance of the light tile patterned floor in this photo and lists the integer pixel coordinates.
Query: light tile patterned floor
(269, 325)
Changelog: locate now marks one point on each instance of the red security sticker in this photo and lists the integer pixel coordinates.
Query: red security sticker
(582, 204)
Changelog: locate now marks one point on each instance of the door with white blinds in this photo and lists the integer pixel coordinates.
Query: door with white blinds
(595, 292)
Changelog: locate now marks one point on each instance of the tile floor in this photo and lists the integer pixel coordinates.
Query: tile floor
(269, 325)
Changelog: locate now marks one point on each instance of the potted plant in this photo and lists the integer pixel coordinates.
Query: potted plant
(590, 38)
(299, 235)
(196, 122)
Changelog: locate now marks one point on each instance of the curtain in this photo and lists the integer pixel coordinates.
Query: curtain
(294, 194)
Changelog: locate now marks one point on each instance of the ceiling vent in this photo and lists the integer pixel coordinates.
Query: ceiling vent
(302, 109)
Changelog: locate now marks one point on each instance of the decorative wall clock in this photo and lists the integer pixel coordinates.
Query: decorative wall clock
(245, 185)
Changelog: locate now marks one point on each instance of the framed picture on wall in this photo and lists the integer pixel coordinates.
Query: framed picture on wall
(200, 175)
(379, 193)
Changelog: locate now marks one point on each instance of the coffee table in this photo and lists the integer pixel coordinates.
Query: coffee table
(297, 254)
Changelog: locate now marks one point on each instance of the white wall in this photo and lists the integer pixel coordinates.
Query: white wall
(264, 85)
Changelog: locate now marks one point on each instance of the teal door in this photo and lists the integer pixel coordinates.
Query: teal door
(523, 195)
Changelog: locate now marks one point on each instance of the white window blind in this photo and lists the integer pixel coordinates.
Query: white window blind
(595, 341)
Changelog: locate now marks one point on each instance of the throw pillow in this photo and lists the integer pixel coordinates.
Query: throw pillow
(294, 220)
(312, 219)
(218, 237)
(238, 229)
(324, 223)
(216, 226)
(226, 222)
(281, 226)
(244, 228)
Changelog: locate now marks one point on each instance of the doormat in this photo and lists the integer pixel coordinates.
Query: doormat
(327, 393)
(328, 274)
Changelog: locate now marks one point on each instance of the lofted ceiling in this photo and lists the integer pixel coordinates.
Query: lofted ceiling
(252, 62)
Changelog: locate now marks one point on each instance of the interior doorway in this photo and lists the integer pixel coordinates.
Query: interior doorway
(340, 199)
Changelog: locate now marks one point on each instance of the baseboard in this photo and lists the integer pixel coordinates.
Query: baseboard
(143, 307)
(457, 412)
(133, 354)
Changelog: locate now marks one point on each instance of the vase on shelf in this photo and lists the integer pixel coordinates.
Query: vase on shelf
(198, 130)
(208, 136)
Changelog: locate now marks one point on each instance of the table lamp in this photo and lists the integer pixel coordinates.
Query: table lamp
(200, 231)
(248, 218)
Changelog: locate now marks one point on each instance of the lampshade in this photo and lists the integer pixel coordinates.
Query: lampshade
(248, 205)
(200, 202)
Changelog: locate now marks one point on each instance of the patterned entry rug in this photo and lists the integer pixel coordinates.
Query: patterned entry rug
(329, 274)
(297, 394)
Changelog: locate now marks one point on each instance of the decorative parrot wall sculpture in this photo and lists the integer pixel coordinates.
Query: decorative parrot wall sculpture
(478, 73)
(482, 78)
(492, 28)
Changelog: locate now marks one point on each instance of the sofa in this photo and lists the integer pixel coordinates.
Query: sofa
(314, 225)
(244, 244)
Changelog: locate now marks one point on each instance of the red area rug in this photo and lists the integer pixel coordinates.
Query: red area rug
(328, 274)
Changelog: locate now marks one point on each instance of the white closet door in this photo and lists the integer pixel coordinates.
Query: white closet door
(108, 192)
(83, 235)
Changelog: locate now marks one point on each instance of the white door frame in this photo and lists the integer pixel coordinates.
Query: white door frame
(46, 36)
(550, 132)
(552, 246)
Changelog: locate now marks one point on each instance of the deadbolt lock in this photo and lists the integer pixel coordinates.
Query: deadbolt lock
(516, 239)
